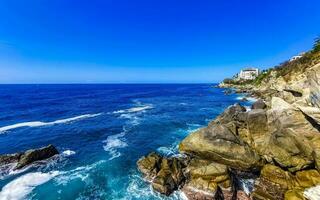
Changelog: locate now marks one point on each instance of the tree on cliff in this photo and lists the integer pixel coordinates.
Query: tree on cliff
(316, 46)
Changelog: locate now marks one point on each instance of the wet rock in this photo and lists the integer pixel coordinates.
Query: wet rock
(33, 155)
(260, 104)
(9, 158)
(165, 174)
(150, 165)
(170, 176)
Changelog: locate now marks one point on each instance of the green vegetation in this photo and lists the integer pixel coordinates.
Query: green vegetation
(316, 46)
(287, 68)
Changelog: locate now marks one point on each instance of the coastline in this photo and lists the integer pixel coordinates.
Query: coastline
(275, 144)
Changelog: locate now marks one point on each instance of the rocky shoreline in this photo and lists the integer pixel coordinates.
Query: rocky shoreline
(22, 160)
(275, 145)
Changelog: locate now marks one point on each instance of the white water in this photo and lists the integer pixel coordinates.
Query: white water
(134, 109)
(312, 193)
(39, 123)
(113, 143)
(68, 153)
(22, 186)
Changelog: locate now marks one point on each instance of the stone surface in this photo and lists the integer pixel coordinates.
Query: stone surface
(260, 104)
(289, 150)
(9, 158)
(275, 183)
(150, 165)
(165, 174)
(217, 143)
(33, 155)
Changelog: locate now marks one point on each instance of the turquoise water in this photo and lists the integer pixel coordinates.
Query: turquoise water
(101, 131)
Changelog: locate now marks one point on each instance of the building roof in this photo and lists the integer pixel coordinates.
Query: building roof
(250, 69)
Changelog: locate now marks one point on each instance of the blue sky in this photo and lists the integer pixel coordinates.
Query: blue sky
(149, 41)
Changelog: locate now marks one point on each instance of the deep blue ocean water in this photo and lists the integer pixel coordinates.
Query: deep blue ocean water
(101, 131)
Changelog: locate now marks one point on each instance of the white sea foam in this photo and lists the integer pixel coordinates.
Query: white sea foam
(22, 186)
(247, 185)
(134, 109)
(39, 123)
(68, 153)
(82, 173)
(113, 143)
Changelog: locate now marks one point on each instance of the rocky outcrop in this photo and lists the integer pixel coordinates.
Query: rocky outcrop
(165, 174)
(275, 183)
(28, 157)
(278, 141)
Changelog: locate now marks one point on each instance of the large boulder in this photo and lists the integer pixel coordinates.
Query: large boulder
(209, 178)
(257, 127)
(217, 143)
(234, 113)
(290, 150)
(165, 174)
(260, 104)
(283, 115)
(34, 155)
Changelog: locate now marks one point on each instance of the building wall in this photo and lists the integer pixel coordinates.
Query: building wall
(248, 74)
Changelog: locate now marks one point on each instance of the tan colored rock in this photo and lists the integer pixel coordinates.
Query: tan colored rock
(217, 143)
(150, 165)
(274, 183)
(257, 127)
(289, 150)
(283, 115)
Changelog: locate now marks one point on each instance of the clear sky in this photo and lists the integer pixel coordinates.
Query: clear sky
(149, 41)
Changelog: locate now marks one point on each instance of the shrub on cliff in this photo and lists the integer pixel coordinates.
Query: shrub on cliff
(316, 46)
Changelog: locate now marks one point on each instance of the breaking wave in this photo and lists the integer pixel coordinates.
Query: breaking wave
(39, 123)
(20, 187)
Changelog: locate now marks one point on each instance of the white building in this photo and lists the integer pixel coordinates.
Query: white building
(248, 74)
(296, 57)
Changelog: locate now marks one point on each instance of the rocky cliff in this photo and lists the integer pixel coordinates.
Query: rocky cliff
(275, 145)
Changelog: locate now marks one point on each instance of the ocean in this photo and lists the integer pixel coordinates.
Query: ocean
(100, 131)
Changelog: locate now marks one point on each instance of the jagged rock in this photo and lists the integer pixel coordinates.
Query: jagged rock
(170, 176)
(274, 183)
(9, 158)
(166, 174)
(312, 112)
(282, 115)
(217, 143)
(259, 105)
(33, 155)
(233, 113)
(150, 165)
